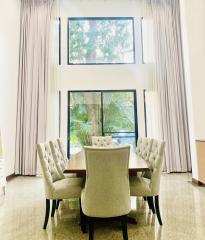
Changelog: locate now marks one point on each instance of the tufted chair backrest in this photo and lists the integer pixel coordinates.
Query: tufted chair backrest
(62, 148)
(156, 163)
(102, 141)
(107, 190)
(58, 157)
(144, 146)
(48, 167)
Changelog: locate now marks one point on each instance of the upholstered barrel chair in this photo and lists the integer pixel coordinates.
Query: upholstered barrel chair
(145, 187)
(107, 192)
(55, 187)
(102, 141)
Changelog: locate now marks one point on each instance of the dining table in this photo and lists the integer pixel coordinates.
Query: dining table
(76, 164)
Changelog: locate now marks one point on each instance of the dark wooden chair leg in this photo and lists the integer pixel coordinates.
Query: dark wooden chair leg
(47, 213)
(151, 204)
(57, 203)
(157, 209)
(53, 208)
(148, 202)
(82, 219)
(124, 227)
(91, 228)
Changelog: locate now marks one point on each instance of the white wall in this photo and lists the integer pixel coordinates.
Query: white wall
(102, 77)
(196, 38)
(193, 33)
(9, 52)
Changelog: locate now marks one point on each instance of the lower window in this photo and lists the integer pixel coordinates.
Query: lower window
(101, 113)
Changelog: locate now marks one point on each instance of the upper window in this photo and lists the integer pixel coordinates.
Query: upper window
(101, 40)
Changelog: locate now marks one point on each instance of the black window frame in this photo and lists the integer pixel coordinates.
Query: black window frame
(101, 18)
(59, 39)
(103, 133)
(145, 111)
(142, 43)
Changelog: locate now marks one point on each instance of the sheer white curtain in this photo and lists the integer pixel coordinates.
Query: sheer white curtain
(167, 105)
(33, 81)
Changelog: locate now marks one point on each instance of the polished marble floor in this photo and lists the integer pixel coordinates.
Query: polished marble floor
(182, 209)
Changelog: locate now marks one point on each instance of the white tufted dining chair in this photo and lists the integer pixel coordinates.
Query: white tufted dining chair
(102, 141)
(60, 158)
(141, 186)
(55, 187)
(62, 148)
(143, 148)
(106, 193)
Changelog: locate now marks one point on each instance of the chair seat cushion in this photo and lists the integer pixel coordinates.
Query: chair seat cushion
(70, 175)
(139, 186)
(101, 208)
(68, 188)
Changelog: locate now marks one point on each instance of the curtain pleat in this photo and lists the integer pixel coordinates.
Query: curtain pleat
(34, 64)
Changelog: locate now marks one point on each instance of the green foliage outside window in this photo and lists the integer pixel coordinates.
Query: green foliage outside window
(103, 40)
(86, 115)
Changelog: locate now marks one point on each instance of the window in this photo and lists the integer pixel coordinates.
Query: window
(102, 40)
(101, 113)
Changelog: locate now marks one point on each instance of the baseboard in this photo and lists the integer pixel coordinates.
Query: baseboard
(197, 182)
(10, 177)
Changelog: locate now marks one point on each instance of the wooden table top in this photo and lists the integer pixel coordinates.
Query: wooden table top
(77, 164)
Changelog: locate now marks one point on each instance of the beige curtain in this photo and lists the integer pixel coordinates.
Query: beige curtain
(33, 80)
(169, 85)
